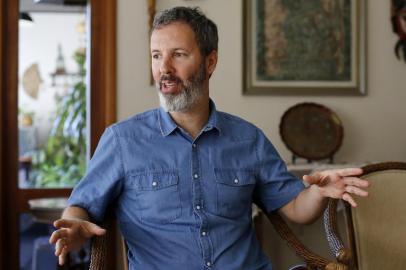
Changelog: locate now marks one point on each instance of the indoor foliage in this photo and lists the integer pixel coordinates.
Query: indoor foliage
(62, 161)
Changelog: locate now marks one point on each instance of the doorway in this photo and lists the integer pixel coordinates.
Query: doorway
(23, 140)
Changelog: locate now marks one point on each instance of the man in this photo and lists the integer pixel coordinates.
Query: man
(182, 178)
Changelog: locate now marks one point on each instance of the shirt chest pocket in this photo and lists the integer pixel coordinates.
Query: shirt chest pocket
(157, 197)
(234, 192)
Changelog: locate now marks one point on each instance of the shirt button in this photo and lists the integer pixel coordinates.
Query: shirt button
(236, 181)
(204, 233)
(194, 145)
(208, 264)
(198, 207)
(154, 183)
(195, 176)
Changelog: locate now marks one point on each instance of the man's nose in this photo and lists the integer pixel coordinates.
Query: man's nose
(166, 66)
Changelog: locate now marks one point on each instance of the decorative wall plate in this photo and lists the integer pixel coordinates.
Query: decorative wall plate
(311, 131)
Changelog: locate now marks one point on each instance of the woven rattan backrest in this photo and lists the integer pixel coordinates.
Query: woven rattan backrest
(100, 249)
(379, 221)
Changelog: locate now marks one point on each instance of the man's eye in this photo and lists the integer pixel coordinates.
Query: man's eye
(155, 56)
(179, 54)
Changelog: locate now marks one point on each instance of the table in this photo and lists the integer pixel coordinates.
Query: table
(47, 210)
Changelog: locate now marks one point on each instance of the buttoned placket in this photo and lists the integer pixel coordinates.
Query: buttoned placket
(198, 206)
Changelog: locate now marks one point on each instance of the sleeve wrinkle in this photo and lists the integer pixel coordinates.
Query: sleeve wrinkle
(120, 155)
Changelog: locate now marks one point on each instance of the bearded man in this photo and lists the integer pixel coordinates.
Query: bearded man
(181, 178)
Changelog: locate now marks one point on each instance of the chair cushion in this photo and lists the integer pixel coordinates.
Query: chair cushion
(380, 221)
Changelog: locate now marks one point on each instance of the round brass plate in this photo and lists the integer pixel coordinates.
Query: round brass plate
(311, 131)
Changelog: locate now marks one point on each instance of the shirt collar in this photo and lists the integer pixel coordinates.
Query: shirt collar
(214, 119)
(167, 125)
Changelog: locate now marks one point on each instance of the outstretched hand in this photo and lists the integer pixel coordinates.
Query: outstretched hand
(339, 184)
(72, 234)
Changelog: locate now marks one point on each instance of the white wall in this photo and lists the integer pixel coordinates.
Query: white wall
(374, 125)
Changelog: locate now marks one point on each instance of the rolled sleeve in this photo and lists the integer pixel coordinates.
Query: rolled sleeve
(276, 186)
(102, 181)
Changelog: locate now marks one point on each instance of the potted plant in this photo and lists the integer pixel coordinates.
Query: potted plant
(62, 161)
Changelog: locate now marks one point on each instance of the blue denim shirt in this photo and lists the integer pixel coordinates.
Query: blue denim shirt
(184, 203)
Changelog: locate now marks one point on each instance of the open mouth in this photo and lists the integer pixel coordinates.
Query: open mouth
(170, 85)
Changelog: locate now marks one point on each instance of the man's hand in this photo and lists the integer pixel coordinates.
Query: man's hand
(339, 184)
(72, 234)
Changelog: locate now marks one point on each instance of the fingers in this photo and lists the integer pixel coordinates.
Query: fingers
(58, 234)
(320, 177)
(356, 191)
(354, 181)
(66, 223)
(348, 171)
(355, 186)
(62, 256)
(60, 245)
(347, 197)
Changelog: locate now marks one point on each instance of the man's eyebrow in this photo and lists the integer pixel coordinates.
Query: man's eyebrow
(174, 49)
(180, 49)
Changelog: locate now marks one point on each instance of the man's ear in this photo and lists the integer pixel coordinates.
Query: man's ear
(211, 62)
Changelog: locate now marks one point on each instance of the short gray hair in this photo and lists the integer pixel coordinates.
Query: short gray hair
(205, 29)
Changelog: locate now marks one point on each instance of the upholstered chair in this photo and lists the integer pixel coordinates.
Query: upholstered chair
(377, 227)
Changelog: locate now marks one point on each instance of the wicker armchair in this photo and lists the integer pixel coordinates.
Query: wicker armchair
(313, 261)
(99, 251)
(376, 228)
(99, 248)
(344, 256)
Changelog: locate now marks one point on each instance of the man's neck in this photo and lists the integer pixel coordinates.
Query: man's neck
(194, 119)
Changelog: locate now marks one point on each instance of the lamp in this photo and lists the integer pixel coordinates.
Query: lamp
(25, 19)
(25, 16)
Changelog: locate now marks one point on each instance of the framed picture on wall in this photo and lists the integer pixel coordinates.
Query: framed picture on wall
(296, 47)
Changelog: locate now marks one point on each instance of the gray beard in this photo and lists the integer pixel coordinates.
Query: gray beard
(192, 90)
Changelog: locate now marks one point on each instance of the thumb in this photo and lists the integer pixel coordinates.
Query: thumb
(310, 179)
(95, 229)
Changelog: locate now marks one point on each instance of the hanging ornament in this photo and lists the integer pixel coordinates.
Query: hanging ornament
(32, 81)
(60, 62)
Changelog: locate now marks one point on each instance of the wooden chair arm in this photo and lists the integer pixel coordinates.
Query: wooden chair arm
(99, 248)
(312, 260)
(337, 248)
(98, 252)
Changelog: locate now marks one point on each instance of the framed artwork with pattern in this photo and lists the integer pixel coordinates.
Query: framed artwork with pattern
(302, 47)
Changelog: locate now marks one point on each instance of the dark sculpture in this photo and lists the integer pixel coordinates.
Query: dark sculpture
(398, 17)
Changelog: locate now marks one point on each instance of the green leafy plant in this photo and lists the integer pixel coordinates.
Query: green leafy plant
(62, 161)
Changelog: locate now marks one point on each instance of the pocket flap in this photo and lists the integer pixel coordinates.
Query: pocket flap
(232, 177)
(154, 180)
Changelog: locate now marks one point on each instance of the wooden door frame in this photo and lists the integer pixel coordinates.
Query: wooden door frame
(102, 105)
(2, 150)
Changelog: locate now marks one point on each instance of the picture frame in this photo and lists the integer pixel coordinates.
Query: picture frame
(304, 47)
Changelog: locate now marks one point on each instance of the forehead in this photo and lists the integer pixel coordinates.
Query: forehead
(177, 34)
